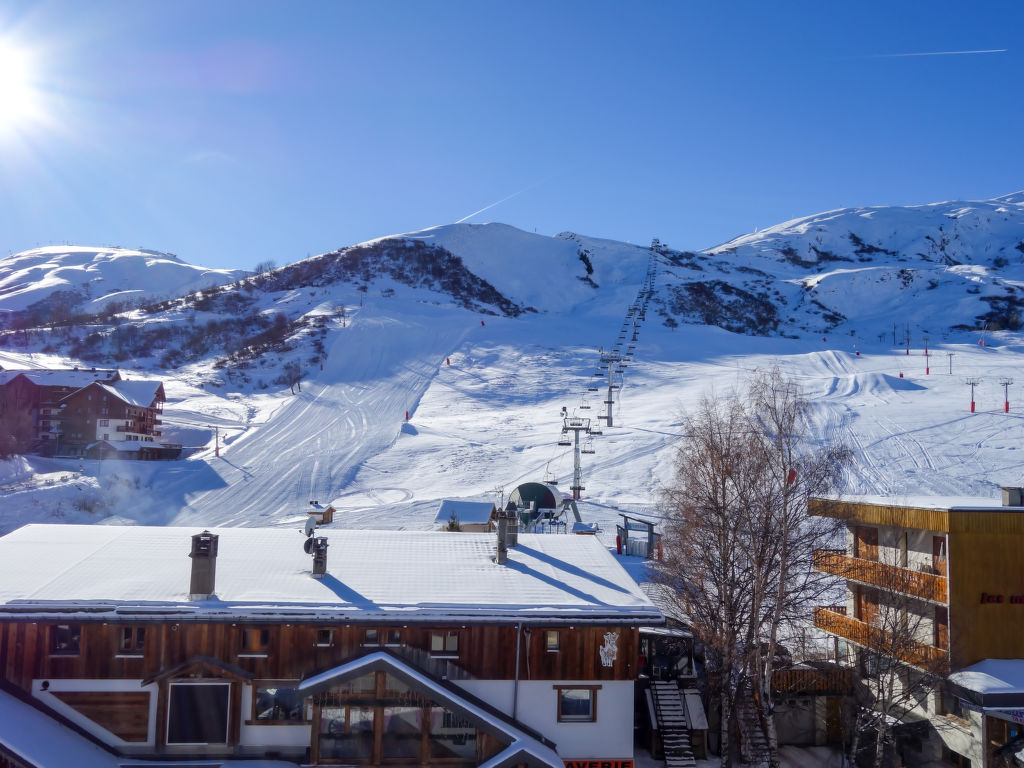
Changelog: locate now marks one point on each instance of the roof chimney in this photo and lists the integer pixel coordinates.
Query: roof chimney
(1012, 496)
(508, 532)
(204, 565)
(319, 557)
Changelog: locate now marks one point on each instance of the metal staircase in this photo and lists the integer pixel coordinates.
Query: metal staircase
(672, 724)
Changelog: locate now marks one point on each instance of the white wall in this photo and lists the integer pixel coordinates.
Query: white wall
(283, 736)
(611, 736)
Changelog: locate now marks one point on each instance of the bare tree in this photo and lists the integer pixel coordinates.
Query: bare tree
(740, 542)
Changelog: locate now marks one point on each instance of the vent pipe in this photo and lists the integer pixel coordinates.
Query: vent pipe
(204, 566)
(1012, 496)
(319, 557)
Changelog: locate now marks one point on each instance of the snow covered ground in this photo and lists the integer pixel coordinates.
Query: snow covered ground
(484, 392)
(490, 420)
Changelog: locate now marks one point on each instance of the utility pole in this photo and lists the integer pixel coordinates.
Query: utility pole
(1006, 394)
(216, 440)
(950, 356)
(973, 383)
(927, 363)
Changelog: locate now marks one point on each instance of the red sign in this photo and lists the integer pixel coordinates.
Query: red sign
(987, 597)
(598, 763)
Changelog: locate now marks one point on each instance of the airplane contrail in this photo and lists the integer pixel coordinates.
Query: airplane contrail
(932, 53)
(487, 207)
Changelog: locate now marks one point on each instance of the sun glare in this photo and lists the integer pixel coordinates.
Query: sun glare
(19, 98)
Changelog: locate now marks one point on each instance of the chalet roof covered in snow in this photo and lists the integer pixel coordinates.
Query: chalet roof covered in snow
(45, 377)
(263, 572)
(138, 393)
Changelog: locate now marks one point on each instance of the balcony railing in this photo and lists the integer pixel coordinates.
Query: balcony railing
(832, 679)
(886, 643)
(926, 586)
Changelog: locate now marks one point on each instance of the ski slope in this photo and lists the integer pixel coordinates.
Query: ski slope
(484, 393)
(490, 420)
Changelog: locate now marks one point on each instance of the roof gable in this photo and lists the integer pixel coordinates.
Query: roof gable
(521, 739)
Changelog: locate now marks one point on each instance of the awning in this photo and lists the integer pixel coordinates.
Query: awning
(990, 683)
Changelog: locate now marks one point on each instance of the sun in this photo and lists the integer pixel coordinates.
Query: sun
(19, 96)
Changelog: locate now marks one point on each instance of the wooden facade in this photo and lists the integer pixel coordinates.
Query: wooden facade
(961, 566)
(975, 569)
(37, 656)
(294, 651)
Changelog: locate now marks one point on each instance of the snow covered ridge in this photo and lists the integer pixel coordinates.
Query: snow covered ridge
(405, 260)
(954, 265)
(85, 280)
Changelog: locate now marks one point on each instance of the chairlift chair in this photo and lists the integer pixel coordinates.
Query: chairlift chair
(564, 441)
(588, 445)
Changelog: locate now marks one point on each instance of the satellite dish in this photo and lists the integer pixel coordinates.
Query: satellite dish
(307, 545)
(310, 527)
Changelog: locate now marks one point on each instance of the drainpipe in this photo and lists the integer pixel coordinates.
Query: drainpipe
(515, 687)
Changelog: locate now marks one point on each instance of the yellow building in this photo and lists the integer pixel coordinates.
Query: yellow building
(955, 569)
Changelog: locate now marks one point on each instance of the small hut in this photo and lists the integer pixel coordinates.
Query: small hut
(468, 516)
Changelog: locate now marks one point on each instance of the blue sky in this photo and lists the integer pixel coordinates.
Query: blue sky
(233, 132)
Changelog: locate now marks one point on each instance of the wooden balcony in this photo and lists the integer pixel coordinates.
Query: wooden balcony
(876, 639)
(830, 678)
(926, 586)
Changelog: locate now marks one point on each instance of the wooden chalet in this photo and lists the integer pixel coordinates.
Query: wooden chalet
(118, 412)
(39, 391)
(373, 648)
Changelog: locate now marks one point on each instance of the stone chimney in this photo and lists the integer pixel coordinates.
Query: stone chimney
(508, 532)
(319, 557)
(513, 524)
(1012, 496)
(204, 566)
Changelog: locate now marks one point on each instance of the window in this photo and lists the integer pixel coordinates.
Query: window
(444, 644)
(325, 637)
(255, 642)
(577, 705)
(104, 422)
(371, 637)
(197, 713)
(65, 639)
(551, 640)
(133, 640)
(394, 637)
(272, 703)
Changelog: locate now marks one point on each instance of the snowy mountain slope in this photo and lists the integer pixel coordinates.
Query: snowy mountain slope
(88, 279)
(384, 323)
(858, 271)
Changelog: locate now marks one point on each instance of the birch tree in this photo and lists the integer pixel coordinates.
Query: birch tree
(739, 541)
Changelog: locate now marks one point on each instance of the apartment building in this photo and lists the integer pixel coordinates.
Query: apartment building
(938, 584)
